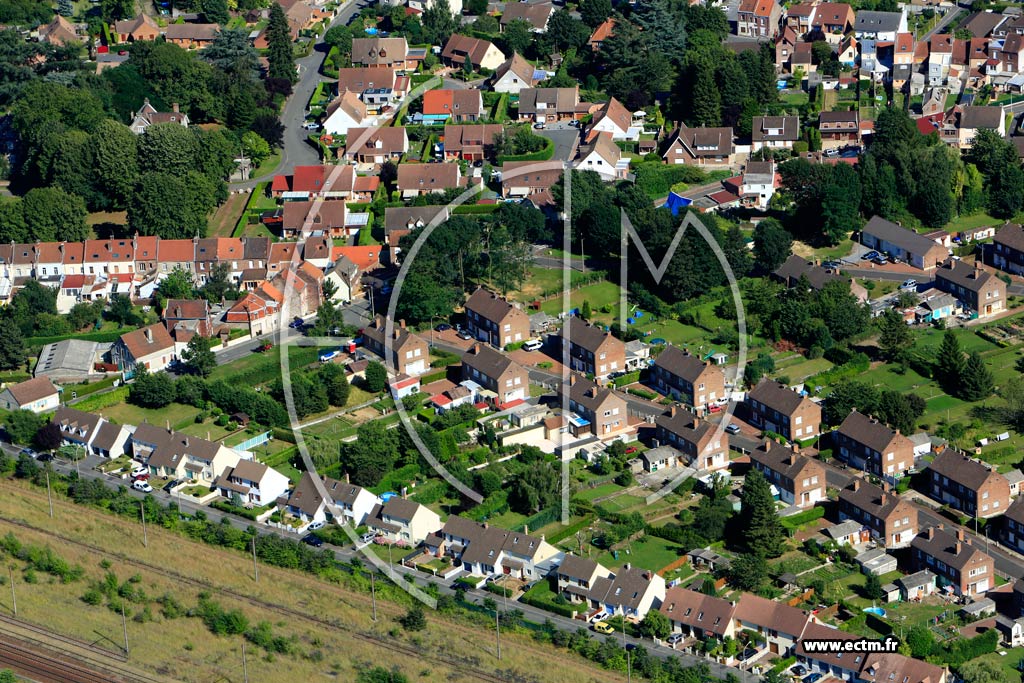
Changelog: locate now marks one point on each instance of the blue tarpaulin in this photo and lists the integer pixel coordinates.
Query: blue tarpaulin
(676, 202)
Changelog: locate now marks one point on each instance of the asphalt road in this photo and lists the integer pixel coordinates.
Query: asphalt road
(565, 137)
(944, 22)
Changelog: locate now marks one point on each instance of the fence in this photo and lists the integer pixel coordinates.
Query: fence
(257, 440)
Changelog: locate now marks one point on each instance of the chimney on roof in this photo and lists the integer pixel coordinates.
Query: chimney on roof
(960, 534)
(956, 548)
(175, 108)
(347, 478)
(526, 529)
(572, 380)
(672, 411)
(931, 533)
(149, 335)
(856, 484)
(795, 447)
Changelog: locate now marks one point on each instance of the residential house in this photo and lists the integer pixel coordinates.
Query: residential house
(482, 53)
(321, 181)
(983, 24)
(696, 383)
(979, 291)
(175, 455)
(151, 347)
(549, 105)
(59, 32)
(973, 119)
(697, 615)
(890, 519)
(871, 28)
(614, 118)
(1007, 249)
(968, 485)
(530, 181)
(799, 17)
(400, 221)
(419, 179)
(378, 88)
(258, 309)
(303, 17)
(387, 53)
(38, 395)
(597, 410)
(839, 127)
(471, 143)
(307, 503)
(345, 112)
(77, 428)
(344, 275)
(757, 184)
(252, 482)
(592, 350)
(1012, 531)
(867, 667)
(758, 18)
(954, 560)
(376, 145)
(515, 74)
(536, 14)
(191, 36)
(870, 445)
(705, 444)
(800, 480)
(147, 115)
(496, 372)
(111, 440)
(304, 218)
(798, 271)
(832, 21)
(185, 318)
(779, 624)
(603, 32)
(403, 521)
(631, 592)
(904, 49)
(456, 106)
(785, 44)
(774, 132)
(701, 147)
(494, 319)
(485, 550)
(140, 28)
(408, 355)
(904, 244)
(420, 6)
(302, 288)
(774, 407)
(604, 157)
(575, 577)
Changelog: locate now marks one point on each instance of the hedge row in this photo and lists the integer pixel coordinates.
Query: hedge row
(543, 155)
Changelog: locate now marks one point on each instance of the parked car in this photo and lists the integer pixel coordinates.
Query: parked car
(169, 486)
(29, 452)
(732, 428)
(603, 627)
(141, 477)
(533, 345)
(631, 450)
(463, 334)
(311, 125)
(540, 126)
(443, 327)
(141, 485)
(880, 260)
(909, 284)
(316, 525)
(831, 264)
(799, 670)
(747, 654)
(813, 678)
(139, 470)
(368, 537)
(313, 540)
(296, 324)
(263, 348)
(870, 256)
(328, 356)
(675, 639)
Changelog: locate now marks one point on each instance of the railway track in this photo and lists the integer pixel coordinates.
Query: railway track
(378, 641)
(25, 661)
(48, 635)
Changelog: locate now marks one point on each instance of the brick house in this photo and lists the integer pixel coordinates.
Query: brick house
(409, 354)
(758, 18)
(1012, 532)
(697, 439)
(981, 292)
(890, 519)
(895, 240)
(482, 53)
(420, 179)
(471, 143)
(954, 560)
(603, 412)
(495, 320)
(968, 485)
(870, 445)
(774, 407)
(592, 350)
(774, 132)
(576, 576)
(698, 615)
(701, 147)
(687, 378)
(799, 479)
(839, 126)
(549, 105)
(497, 372)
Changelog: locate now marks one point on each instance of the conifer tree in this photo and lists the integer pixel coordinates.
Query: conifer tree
(280, 56)
(949, 363)
(976, 380)
(760, 527)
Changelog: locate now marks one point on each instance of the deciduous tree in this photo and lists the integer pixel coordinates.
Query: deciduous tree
(772, 245)
(199, 356)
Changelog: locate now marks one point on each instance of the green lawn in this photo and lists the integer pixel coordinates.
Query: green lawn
(207, 430)
(802, 369)
(794, 98)
(599, 295)
(649, 552)
(176, 414)
(1009, 663)
(599, 491)
(623, 502)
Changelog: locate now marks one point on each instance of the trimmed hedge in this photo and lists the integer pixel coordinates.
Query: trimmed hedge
(475, 208)
(628, 378)
(800, 518)
(102, 337)
(543, 155)
(98, 402)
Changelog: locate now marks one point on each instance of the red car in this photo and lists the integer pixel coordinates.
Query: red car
(631, 450)
(140, 477)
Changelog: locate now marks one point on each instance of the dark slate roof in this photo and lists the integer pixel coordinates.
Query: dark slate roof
(872, 433)
(962, 469)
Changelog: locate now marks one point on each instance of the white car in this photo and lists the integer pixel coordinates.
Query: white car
(368, 537)
(533, 345)
(139, 471)
(142, 486)
(315, 525)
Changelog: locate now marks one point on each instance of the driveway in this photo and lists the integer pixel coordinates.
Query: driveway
(565, 137)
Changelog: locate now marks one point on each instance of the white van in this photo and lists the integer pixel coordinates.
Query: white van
(329, 356)
(533, 345)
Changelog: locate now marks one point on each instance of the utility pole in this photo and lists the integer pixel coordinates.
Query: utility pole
(49, 498)
(14, 598)
(373, 593)
(124, 625)
(255, 567)
(145, 536)
(245, 668)
(629, 669)
(497, 632)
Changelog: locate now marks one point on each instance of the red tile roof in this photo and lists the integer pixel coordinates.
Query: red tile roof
(366, 258)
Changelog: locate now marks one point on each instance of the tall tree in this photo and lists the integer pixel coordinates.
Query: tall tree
(280, 56)
(976, 380)
(840, 204)
(762, 532)
(707, 101)
(65, 8)
(199, 356)
(115, 161)
(894, 336)
(949, 361)
(12, 345)
(594, 12)
(117, 9)
(216, 11)
(439, 23)
(53, 215)
(772, 245)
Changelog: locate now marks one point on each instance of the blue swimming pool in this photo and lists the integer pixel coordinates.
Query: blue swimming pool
(877, 611)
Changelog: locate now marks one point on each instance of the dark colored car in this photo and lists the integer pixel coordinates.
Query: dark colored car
(798, 670)
(296, 324)
(813, 678)
(171, 484)
(313, 540)
(443, 327)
